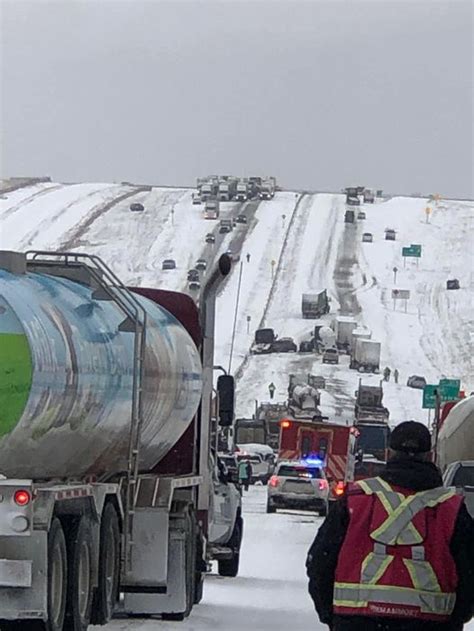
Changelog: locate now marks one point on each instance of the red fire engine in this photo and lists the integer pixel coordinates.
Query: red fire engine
(332, 444)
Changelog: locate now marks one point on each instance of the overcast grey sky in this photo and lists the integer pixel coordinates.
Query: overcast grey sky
(322, 94)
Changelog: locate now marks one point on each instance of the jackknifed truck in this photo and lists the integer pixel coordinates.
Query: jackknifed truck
(110, 490)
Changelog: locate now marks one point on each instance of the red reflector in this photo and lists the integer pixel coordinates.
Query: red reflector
(285, 424)
(273, 481)
(339, 490)
(22, 498)
(323, 484)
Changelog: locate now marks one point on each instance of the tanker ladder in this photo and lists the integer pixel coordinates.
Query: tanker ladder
(107, 286)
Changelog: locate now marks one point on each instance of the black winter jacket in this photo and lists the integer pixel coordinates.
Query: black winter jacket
(323, 555)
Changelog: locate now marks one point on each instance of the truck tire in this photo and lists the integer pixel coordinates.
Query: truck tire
(57, 586)
(200, 570)
(270, 508)
(106, 594)
(230, 567)
(80, 576)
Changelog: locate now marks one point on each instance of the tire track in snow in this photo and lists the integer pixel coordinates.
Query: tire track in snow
(75, 235)
(289, 232)
(27, 200)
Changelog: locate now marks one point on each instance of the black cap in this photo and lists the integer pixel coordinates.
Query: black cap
(411, 437)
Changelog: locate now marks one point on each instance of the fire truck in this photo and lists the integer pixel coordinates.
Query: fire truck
(332, 444)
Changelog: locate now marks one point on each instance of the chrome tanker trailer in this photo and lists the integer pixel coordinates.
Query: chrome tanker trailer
(108, 480)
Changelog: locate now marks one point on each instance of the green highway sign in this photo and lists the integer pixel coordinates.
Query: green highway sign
(448, 390)
(413, 250)
(429, 396)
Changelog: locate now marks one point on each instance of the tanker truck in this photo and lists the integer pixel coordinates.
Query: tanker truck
(110, 490)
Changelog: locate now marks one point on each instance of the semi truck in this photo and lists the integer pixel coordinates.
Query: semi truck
(267, 189)
(303, 397)
(242, 191)
(226, 189)
(110, 489)
(332, 444)
(212, 208)
(315, 305)
(366, 356)
(343, 327)
(371, 421)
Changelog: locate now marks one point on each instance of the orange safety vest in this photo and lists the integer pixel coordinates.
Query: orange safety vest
(395, 560)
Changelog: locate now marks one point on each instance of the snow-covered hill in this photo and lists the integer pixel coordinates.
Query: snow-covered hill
(296, 243)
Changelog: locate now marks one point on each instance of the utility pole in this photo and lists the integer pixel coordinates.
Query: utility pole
(235, 315)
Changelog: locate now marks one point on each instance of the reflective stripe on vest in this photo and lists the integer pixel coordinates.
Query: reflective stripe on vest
(391, 500)
(359, 596)
(398, 529)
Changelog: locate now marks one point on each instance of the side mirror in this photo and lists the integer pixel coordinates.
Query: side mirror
(226, 391)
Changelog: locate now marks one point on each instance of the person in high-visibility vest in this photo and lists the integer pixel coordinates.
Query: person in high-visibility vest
(396, 553)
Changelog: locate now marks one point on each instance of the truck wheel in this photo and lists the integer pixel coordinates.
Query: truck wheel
(270, 508)
(106, 595)
(230, 567)
(80, 573)
(200, 570)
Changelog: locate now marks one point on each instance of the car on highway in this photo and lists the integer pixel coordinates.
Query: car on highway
(361, 215)
(196, 198)
(194, 285)
(367, 237)
(453, 284)
(201, 264)
(136, 207)
(298, 484)
(415, 381)
(331, 356)
(193, 275)
(226, 225)
(210, 238)
(306, 346)
(241, 219)
(168, 264)
(284, 345)
(390, 234)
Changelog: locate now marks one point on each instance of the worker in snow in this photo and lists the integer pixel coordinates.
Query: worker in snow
(386, 373)
(248, 258)
(244, 475)
(396, 553)
(396, 375)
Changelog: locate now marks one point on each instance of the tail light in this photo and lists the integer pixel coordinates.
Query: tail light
(323, 485)
(274, 481)
(285, 424)
(22, 497)
(339, 488)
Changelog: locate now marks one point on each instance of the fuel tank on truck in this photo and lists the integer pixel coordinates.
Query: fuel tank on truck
(66, 380)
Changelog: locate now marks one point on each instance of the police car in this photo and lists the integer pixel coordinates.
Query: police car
(298, 484)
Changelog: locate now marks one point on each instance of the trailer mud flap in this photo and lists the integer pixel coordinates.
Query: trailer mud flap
(15, 573)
